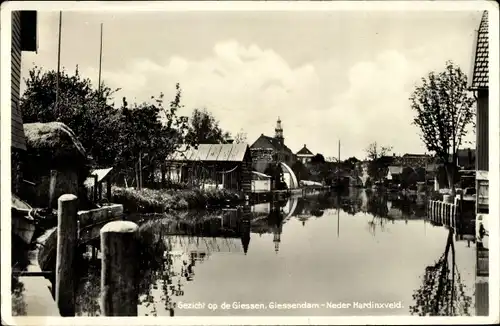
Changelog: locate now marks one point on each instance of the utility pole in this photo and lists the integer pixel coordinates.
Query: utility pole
(140, 170)
(100, 64)
(58, 63)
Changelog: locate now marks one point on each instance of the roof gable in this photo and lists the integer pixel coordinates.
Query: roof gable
(269, 142)
(264, 142)
(305, 151)
(480, 72)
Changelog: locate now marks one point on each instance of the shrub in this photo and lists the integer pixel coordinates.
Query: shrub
(164, 200)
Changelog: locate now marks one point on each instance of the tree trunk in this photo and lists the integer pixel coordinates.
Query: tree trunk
(450, 173)
(163, 179)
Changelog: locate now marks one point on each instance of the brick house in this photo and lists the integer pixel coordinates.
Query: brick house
(267, 150)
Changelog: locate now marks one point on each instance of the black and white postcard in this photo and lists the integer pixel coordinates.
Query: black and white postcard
(250, 162)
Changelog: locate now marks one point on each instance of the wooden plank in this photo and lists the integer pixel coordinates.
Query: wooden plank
(99, 214)
(32, 273)
(16, 57)
(482, 298)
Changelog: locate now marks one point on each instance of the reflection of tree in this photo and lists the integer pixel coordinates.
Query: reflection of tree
(379, 222)
(377, 206)
(442, 294)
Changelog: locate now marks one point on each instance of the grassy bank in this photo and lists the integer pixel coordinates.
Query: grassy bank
(165, 200)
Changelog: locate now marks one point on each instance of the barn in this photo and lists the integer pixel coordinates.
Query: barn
(227, 166)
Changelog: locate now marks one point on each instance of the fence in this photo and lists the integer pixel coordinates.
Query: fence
(443, 213)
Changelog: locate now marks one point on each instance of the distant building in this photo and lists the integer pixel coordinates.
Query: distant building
(394, 173)
(267, 150)
(413, 160)
(304, 155)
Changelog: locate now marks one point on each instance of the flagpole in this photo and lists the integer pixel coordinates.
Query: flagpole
(100, 63)
(58, 63)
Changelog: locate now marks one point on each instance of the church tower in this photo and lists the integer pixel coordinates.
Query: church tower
(279, 132)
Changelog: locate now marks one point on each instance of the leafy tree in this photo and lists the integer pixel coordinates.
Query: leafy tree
(351, 163)
(114, 136)
(444, 109)
(318, 158)
(277, 176)
(300, 170)
(89, 114)
(205, 129)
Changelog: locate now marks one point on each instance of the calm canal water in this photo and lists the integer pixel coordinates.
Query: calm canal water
(329, 255)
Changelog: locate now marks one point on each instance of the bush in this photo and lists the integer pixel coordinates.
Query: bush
(164, 200)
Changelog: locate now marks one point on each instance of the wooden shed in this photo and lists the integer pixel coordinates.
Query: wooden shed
(97, 180)
(227, 166)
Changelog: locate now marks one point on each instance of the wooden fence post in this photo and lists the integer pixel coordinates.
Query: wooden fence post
(119, 296)
(52, 187)
(66, 248)
(446, 216)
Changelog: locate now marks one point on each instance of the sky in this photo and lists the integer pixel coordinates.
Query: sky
(329, 75)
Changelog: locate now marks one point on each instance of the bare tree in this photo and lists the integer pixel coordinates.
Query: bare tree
(374, 152)
(444, 109)
(378, 163)
(241, 137)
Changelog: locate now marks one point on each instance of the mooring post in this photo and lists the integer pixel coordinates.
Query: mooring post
(119, 296)
(66, 248)
(52, 187)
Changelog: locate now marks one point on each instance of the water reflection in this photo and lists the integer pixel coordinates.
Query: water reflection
(180, 254)
(442, 292)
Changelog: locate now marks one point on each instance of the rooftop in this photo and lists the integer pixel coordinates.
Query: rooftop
(275, 143)
(210, 152)
(305, 151)
(480, 70)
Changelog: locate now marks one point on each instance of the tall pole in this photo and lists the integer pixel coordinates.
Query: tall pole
(338, 221)
(140, 170)
(100, 64)
(339, 150)
(338, 169)
(58, 63)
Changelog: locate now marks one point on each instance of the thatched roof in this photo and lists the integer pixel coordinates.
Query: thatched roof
(53, 143)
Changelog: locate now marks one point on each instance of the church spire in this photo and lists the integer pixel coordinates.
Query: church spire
(279, 132)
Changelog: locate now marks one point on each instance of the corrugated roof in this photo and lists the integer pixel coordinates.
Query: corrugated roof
(210, 152)
(480, 73)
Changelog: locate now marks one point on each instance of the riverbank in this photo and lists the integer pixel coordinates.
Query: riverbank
(166, 200)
